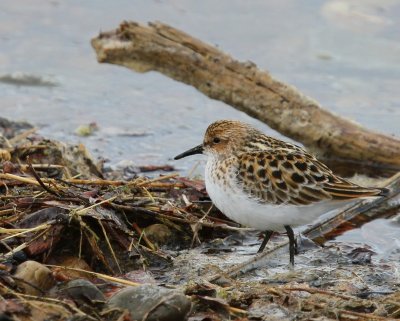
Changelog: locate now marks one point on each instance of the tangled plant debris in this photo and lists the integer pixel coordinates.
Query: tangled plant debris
(83, 243)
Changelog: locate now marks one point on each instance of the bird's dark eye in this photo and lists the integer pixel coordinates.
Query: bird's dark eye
(216, 140)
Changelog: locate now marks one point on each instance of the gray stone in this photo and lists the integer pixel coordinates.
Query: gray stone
(151, 303)
(83, 290)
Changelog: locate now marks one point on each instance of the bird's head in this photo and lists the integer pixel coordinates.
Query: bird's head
(222, 139)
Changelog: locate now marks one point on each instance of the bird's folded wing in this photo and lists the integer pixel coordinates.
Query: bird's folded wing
(285, 176)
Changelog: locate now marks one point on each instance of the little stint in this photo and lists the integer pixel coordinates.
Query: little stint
(268, 184)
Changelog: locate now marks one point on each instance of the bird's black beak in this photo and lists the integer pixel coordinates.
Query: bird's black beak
(192, 151)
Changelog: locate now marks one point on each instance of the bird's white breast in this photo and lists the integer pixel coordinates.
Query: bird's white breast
(230, 199)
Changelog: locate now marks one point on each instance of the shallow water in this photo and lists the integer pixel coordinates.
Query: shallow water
(385, 246)
(347, 56)
(344, 54)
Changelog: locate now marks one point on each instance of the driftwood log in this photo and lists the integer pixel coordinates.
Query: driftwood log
(169, 51)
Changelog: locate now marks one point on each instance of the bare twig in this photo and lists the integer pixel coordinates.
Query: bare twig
(98, 275)
(110, 246)
(46, 188)
(318, 291)
(142, 235)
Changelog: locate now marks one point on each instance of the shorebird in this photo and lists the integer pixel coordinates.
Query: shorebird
(268, 184)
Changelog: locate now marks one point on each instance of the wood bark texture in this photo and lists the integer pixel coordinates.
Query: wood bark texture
(176, 54)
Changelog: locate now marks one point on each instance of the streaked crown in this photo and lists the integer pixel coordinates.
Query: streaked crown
(224, 138)
(227, 138)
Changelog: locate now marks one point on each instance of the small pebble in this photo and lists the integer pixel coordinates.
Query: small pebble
(38, 278)
(159, 234)
(82, 290)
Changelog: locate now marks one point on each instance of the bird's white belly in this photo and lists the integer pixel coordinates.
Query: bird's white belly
(236, 205)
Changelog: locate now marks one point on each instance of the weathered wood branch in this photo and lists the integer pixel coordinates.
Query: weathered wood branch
(169, 51)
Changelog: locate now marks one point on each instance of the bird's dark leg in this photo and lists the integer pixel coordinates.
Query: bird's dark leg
(296, 247)
(292, 243)
(267, 236)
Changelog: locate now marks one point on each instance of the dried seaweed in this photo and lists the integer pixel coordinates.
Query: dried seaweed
(95, 226)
